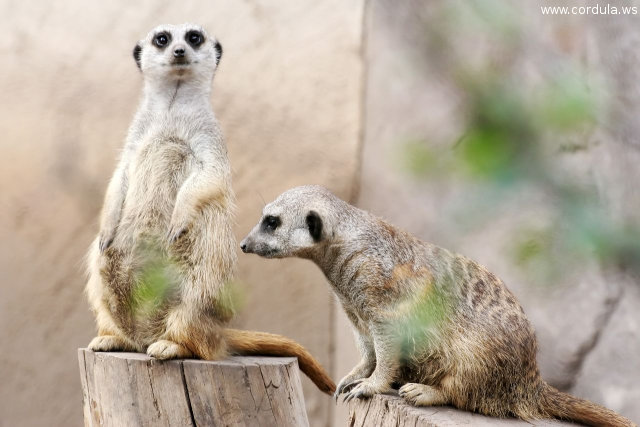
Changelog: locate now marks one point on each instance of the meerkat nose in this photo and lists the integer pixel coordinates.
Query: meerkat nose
(179, 52)
(243, 247)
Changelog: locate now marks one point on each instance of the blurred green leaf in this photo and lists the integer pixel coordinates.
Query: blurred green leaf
(565, 104)
(418, 158)
(519, 116)
(531, 245)
(420, 321)
(155, 280)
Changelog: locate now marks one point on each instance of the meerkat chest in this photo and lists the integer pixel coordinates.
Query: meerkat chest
(161, 163)
(160, 156)
(163, 155)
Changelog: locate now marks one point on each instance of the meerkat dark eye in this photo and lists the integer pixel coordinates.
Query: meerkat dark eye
(194, 38)
(270, 223)
(161, 40)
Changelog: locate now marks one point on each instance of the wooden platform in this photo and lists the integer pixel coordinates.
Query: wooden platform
(393, 411)
(132, 389)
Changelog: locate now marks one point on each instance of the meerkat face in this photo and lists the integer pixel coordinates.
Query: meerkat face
(178, 51)
(292, 225)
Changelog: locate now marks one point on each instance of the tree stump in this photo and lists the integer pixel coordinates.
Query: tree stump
(133, 389)
(393, 411)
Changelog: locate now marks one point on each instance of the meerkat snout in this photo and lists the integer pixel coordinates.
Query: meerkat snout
(284, 231)
(259, 247)
(178, 52)
(179, 57)
(265, 238)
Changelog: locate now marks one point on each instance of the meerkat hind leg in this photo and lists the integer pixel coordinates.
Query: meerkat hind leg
(189, 333)
(422, 395)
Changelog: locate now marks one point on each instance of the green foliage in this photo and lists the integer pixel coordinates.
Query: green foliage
(418, 322)
(155, 281)
(230, 300)
(516, 126)
(157, 284)
(532, 245)
(419, 159)
(566, 104)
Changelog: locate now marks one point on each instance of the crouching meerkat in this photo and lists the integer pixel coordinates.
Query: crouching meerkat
(433, 322)
(160, 267)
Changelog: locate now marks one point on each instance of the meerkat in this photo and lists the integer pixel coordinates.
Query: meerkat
(160, 268)
(437, 324)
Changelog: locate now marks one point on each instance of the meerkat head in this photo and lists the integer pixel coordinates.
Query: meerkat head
(297, 223)
(178, 52)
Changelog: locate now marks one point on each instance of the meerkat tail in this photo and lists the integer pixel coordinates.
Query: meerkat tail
(266, 344)
(566, 407)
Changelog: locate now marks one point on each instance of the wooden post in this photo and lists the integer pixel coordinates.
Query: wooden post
(132, 389)
(393, 411)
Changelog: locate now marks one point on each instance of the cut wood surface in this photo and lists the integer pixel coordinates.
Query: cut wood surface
(393, 411)
(132, 389)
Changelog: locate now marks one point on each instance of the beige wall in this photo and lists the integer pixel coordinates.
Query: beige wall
(287, 95)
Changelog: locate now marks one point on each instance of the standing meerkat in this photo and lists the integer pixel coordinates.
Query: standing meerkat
(433, 322)
(160, 267)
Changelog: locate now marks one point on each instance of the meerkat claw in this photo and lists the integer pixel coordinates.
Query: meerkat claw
(350, 385)
(175, 234)
(351, 395)
(104, 243)
(344, 387)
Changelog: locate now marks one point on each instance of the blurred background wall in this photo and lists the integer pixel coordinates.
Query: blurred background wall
(331, 92)
(445, 82)
(287, 95)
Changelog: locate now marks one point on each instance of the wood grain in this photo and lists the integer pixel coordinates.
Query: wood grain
(132, 389)
(392, 411)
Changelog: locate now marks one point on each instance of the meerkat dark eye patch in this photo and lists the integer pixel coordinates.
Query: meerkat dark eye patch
(194, 38)
(314, 223)
(270, 223)
(161, 40)
(218, 48)
(137, 52)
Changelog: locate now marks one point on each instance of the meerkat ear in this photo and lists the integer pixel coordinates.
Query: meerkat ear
(218, 48)
(137, 51)
(314, 223)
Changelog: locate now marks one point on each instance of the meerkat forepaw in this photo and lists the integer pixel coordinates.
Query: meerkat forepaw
(165, 349)
(365, 389)
(421, 395)
(177, 230)
(346, 384)
(106, 239)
